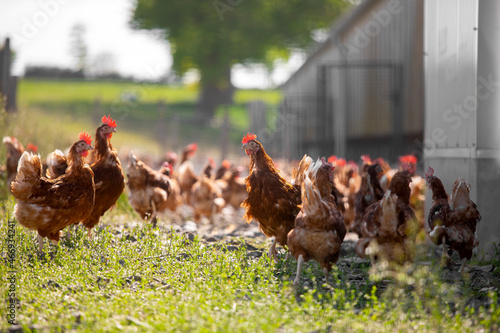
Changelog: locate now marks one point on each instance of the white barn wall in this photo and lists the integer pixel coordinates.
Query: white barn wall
(462, 48)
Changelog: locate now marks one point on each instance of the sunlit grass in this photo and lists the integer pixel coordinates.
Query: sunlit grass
(132, 277)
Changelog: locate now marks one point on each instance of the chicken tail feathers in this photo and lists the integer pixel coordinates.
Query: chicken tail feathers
(300, 172)
(55, 161)
(29, 169)
(311, 198)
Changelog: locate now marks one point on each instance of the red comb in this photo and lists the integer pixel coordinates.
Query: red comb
(408, 158)
(211, 161)
(32, 147)
(172, 155)
(193, 146)
(341, 162)
(248, 137)
(325, 162)
(366, 158)
(429, 173)
(407, 166)
(108, 121)
(85, 137)
(332, 159)
(169, 166)
(226, 164)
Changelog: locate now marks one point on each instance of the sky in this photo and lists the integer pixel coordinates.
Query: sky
(40, 35)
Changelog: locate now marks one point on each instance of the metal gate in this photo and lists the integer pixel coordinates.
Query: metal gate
(359, 109)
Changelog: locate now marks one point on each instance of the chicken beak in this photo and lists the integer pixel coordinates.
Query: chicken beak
(89, 147)
(113, 130)
(244, 146)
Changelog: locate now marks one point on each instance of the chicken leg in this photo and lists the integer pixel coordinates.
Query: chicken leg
(154, 219)
(325, 270)
(272, 251)
(69, 231)
(462, 268)
(40, 243)
(445, 260)
(300, 260)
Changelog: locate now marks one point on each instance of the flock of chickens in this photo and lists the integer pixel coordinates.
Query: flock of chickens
(309, 215)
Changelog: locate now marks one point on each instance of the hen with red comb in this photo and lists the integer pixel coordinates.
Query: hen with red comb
(108, 173)
(271, 200)
(452, 220)
(63, 201)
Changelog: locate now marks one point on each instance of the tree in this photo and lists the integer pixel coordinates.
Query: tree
(213, 35)
(78, 47)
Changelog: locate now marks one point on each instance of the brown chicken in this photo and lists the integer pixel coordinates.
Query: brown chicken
(319, 226)
(14, 151)
(174, 199)
(236, 191)
(452, 222)
(149, 189)
(108, 173)
(271, 200)
(57, 164)
(185, 173)
(369, 192)
(389, 226)
(47, 205)
(206, 196)
(222, 170)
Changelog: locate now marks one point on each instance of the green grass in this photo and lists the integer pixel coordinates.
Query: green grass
(134, 278)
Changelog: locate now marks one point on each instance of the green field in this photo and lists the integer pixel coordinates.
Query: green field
(52, 113)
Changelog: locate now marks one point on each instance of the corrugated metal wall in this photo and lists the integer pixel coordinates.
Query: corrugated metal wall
(358, 101)
(451, 69)
(463, 103)
(395, 35)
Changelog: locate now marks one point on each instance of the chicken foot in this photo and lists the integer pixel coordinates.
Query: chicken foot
(300, 260)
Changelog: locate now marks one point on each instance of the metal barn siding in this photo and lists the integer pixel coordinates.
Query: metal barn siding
(451, 70)
(367, 79)
(462, 140)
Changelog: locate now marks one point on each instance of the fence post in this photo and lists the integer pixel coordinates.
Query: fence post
(161, 130)
(5, 93)
(224, 137)
(11, 105)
